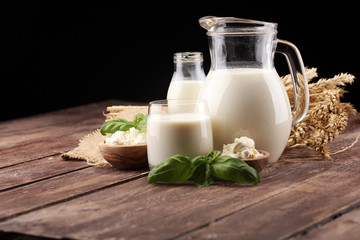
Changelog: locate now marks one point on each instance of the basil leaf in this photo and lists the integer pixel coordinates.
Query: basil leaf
(119, 124)
(211, 156)
(174, 169)
(197, 161)
(138, 118)
(141, 121)
(234, 169)
(203, 176)
(112, 125)
(126, 126)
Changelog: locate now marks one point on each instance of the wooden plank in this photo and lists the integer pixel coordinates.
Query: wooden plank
(140, 210)
(157, 211)
(294, 195)
(346, 226)
(49, 133)
(43, 148)
(60, 189)
(17, 132)
(36, 170)
(294, 211)
(289, 213)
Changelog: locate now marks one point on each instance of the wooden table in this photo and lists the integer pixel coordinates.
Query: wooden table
(42, 196)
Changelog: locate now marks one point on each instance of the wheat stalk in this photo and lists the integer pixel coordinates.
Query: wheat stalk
(327, 115)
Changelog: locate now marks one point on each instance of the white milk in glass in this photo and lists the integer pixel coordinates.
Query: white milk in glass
(188, 76)
(255, 104)
(184, 89)
(188, 134)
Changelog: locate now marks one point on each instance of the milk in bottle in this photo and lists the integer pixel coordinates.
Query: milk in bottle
(188, 76)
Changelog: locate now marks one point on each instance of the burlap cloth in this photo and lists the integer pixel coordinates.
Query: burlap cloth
(88, 149)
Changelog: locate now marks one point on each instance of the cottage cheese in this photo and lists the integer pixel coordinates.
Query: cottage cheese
(243, 148)
(131, 137)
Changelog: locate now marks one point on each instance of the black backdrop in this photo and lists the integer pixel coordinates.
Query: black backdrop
(56, 54)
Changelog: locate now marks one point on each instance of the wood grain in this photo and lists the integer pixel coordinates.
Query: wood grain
(36, 170)
(125, 156)
(300, 196)
(259, 163)
(293, 211)
(161, 210)
(346, 226)
(60, 189)
(43, 135)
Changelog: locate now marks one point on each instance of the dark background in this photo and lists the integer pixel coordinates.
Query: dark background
(57, 54)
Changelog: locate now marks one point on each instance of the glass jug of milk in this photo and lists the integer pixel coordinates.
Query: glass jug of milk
(244, 92)
(188, 76)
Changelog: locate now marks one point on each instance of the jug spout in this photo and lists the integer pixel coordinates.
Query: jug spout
(235, 25)
(211, 21)
(240, 43)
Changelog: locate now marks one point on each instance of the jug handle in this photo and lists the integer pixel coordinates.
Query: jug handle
(299, 79)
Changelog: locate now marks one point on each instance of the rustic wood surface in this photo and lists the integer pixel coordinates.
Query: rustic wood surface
(44, 197)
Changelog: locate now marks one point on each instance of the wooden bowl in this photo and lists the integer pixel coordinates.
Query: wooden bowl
(125, 156)
(259, 163)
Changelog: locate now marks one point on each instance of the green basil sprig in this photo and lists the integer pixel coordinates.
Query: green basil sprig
(203, 169)
(119, 124)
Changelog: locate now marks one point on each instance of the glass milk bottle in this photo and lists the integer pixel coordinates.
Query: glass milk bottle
(188, 76)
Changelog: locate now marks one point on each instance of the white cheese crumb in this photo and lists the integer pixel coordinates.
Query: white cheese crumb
(131, 137)
(243, 148)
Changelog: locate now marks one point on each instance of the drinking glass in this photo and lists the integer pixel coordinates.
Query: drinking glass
(178, 126)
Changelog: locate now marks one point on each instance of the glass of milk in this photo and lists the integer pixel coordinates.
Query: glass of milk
(178, 126)
(188, 76)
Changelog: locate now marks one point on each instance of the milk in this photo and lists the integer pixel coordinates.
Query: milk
(248, 102)
(180, 133)
(184, 89)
